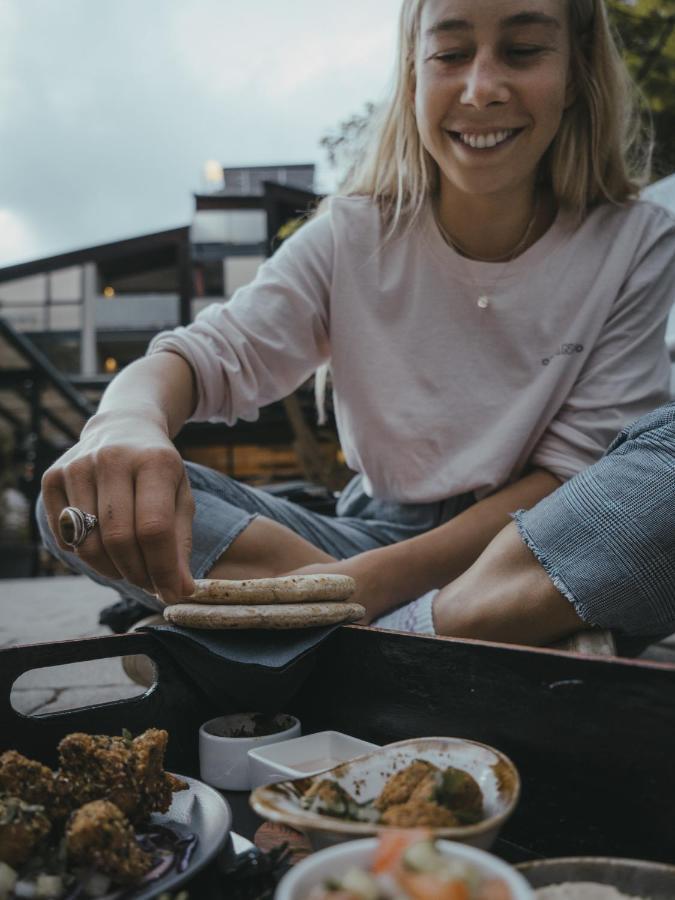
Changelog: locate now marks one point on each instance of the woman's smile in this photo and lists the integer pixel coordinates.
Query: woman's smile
(486, 142)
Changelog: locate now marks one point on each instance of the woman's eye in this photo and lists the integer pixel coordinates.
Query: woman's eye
(452, 56)
(524, 52)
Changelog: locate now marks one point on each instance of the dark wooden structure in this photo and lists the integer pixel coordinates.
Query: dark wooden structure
(592, 737)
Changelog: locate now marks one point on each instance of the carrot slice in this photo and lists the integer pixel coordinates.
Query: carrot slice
(425, 886)
(494, 889)
(392, 846)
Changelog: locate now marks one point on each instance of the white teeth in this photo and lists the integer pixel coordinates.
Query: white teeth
(481, 141)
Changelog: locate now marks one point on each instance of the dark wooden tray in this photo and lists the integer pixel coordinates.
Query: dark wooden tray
(592, 737)
(174, 703)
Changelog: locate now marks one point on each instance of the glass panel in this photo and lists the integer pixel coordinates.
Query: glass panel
(64, 317)
(33, 288)
(127, 312)
(66, 284)
(240, 270)
(31, 317)
(229, 227)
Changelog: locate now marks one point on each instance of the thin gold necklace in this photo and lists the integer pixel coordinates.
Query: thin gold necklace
(483, 301)
(493, 259)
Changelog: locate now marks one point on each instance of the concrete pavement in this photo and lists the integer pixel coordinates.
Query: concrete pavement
(40, 610)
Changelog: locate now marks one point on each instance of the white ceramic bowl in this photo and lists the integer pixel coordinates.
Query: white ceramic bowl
(303, 756)
(224, 743)
(364, 778)
(334, 861)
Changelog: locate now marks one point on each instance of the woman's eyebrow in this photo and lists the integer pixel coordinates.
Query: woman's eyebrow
(448, 25)
(445, 26)
(531, 18)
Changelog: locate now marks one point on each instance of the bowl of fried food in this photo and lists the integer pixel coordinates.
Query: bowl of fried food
(108, 822)
(458, 789)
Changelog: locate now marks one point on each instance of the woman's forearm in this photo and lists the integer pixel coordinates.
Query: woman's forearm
(160, 388)
(125, 470)
(434, 559)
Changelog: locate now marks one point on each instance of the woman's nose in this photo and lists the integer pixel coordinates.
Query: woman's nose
(485, 83)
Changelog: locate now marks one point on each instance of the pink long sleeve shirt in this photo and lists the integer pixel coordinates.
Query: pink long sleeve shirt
(434, 395)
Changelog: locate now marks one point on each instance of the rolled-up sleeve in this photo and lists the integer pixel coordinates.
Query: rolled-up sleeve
(607, 538)
(268, 338)
(628, 371)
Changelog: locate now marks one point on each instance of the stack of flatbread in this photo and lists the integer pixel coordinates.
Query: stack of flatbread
(295, 601)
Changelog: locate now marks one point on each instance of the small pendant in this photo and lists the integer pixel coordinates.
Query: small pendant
(483, 302)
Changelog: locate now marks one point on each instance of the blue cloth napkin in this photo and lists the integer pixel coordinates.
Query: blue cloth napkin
(244, 670)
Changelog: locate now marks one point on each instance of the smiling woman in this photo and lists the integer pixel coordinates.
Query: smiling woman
(491, 298)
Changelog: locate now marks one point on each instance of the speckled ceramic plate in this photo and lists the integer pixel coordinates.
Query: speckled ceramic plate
(364, 778)
(202, 811)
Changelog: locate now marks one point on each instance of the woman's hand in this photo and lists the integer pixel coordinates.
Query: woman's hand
(126, 470)
(372, 590)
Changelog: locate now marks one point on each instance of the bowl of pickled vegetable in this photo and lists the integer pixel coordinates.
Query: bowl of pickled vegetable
(403, 865)
(458, 789)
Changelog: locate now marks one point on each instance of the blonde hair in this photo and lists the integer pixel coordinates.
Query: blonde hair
(602, 151)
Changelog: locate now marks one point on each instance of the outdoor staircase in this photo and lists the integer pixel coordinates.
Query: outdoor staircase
(35, 398)
(44, 413)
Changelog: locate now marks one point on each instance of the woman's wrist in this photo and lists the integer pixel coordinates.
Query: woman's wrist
(112, 417)
(388, 577)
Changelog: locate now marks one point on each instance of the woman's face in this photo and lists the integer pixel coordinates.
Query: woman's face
(492, 82)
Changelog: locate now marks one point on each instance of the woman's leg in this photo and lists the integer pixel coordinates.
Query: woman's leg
(279, 536)
(243, 532)
(599, 551)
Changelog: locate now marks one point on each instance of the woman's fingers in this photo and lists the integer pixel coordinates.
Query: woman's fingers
(80, 486)
(141, 496)
(116, 521)
(185, 510)
(55, 499)
(157, 485)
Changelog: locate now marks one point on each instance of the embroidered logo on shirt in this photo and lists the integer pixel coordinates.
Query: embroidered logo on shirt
(563, 350)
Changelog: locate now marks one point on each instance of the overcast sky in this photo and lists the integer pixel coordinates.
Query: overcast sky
(110, 108)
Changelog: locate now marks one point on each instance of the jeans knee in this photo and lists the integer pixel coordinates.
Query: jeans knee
(202, 478)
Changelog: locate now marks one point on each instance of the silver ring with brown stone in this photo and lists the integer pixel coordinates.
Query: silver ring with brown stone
(75, 525)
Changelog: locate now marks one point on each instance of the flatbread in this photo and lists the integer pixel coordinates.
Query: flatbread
(290, 615)
(266, 591)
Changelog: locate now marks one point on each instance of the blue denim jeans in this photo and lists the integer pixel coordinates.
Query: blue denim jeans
(224, 507)
(606, 538)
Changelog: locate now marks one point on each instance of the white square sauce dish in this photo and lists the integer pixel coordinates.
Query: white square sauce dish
(304, 756)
